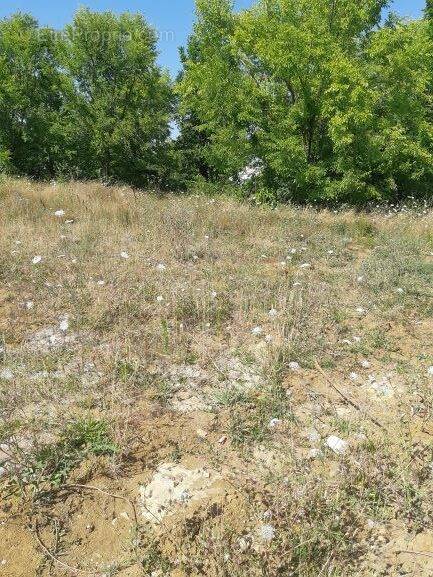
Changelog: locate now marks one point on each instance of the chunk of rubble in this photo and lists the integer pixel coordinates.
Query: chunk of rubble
(337, 445)
(382, 387)
(172, 487)
(49, 338)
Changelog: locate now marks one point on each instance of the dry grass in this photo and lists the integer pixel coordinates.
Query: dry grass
(182, 352)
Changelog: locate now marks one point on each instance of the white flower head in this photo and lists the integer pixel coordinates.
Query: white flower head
(273, 312)
(59, 213)
(353, 376)
(430, 371)
(214, 294)
(274, 423)
(124, 255)
(64, 324)
(36, 259)
(160, 298)
(252, 170)
(267, 532)
(29, 305)
(161, 266)
(257, 331)
(294, 366)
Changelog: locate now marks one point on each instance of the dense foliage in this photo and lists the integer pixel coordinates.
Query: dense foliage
(325, 102)
(89, 102)
(306, 100)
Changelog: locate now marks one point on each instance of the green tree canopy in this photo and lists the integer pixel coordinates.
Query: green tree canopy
(313, 90)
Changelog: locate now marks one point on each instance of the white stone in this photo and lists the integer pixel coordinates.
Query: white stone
(336, 444)
(37, 259)
(173, 486)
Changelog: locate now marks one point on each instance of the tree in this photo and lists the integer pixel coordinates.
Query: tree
(30, 97)
(305, 86)
(118, 102)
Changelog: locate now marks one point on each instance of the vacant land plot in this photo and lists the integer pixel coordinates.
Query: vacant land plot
(192, 386)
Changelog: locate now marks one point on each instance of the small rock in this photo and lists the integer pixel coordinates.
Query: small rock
(36, 259)
(315, 453)
(222, 440)
(336, 444)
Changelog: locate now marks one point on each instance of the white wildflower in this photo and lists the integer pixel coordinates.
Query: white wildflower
(269, 338)
(360, 311)
(6, 375)
(29, 305)
(360, 279)
(365, 364)
(305, 265)
(273, 312)
(294, 366)
(64, 324)
(161, 266)
(274, 423)
(101, 282)
(400, 290)
(430, 371)
(252, 170)
(59, 213)
(353, 376)
(124, 255)
(257, 331)
(160, 298)
(36, 259)
(267, 532)
(214, 294)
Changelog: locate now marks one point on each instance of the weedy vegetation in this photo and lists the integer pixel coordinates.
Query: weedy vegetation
(198, 386)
